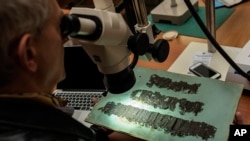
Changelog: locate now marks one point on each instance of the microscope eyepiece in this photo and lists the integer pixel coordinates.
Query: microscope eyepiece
(70, 25)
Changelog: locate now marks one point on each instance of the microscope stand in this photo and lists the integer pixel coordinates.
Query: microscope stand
(175, 15)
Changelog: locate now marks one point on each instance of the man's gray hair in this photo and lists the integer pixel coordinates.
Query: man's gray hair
(18, 17)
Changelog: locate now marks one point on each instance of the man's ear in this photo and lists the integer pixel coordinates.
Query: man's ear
(27, 53)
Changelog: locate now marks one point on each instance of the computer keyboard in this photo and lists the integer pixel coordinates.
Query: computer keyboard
(79, 100)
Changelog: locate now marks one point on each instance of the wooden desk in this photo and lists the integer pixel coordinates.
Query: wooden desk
(234, 32)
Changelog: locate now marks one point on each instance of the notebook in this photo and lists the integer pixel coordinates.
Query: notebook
(83, 82)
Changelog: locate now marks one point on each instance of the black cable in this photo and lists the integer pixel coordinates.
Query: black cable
(119, 6)
(213, 41)
(134, 61)
(130, 15)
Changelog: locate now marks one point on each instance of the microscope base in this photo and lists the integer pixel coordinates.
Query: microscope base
(175, 15)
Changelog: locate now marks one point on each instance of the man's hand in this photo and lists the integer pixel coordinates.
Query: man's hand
(103, 129)
(238, 119)
(95, 100)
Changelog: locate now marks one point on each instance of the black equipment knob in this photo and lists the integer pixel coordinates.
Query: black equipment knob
(139, 45)
(159, 50)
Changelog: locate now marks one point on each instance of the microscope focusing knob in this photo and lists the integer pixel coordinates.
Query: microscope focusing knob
(139, 43)
(159, 50)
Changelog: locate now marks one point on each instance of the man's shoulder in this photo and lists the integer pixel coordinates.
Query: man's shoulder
(20, 109)
(31, 115)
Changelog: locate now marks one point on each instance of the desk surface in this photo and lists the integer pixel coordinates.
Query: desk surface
(235, 32)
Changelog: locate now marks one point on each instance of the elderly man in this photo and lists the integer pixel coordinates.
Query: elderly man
(31, 64)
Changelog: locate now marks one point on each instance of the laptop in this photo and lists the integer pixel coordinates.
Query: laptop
(82, 83)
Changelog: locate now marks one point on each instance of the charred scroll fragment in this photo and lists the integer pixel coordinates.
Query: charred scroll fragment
(157, 100)
(169, 84)
(166, 123)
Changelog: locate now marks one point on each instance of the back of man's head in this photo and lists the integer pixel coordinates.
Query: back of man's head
(18, 17)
